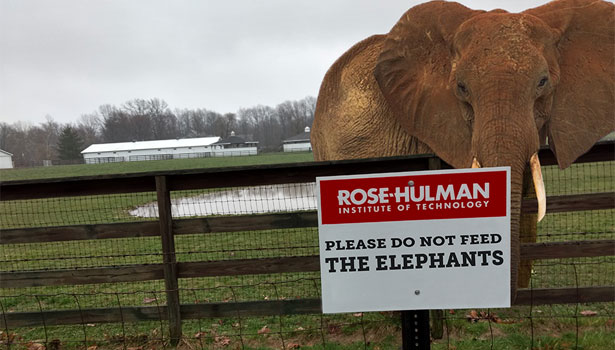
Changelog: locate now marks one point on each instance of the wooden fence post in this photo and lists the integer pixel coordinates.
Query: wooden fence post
(168, 259)
(528, 228)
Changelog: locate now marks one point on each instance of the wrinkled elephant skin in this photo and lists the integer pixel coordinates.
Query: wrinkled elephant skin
(477, 88)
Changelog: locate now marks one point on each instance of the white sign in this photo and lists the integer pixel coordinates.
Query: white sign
(415, 240)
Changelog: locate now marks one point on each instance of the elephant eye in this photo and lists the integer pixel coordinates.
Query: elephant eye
(543, 82)
(462, 88)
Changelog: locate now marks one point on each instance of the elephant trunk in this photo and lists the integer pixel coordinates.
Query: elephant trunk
(515, 218)
(505, 137)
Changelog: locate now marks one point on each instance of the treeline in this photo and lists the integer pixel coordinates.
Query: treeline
(151, 119)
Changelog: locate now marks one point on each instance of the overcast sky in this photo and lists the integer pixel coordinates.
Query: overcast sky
(64, 58)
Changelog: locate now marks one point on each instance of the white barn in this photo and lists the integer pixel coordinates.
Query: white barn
(298, 143)
(149, 150)
(6, 160)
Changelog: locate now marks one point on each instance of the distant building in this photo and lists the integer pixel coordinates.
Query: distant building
(234, 146)
(298, 143)
(6, 160)
(149, 150)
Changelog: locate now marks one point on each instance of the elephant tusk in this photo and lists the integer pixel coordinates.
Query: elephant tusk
(539, 186)
(475, 163)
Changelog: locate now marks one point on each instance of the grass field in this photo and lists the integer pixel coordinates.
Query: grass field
(544, 327)
(150, 166)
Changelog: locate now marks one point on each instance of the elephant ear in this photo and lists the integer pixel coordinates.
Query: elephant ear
(413, 73)
(584, 100)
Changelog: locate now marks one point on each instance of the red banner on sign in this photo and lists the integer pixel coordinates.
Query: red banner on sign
(413, 197)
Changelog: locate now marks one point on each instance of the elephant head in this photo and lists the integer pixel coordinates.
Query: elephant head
(488, 88)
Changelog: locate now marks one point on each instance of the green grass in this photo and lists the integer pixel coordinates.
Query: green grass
(553, 327)
(381, 330)
(150, 166)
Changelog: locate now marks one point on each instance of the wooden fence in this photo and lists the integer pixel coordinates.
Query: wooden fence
(166, 227)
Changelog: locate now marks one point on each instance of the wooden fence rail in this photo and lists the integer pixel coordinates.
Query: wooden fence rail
(147, 272)
(534, 297)
(243, 176)
(556, 204)
(170, 270)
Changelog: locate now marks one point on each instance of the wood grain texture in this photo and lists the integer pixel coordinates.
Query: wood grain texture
(246, 223)
(152, 228)
(571, 295)
(169, 264)
(570, 203)
(134, 273)
(80, 232)
(249, 266)
(570, 249)
(159, 312)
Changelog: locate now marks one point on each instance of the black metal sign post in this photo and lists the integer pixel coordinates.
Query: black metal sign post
(415, 330)
(415, 323)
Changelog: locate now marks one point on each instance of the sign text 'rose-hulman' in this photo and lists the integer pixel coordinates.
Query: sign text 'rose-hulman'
(402, 240)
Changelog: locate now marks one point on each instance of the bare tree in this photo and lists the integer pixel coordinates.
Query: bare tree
(198, 119)
(117, 126)
(140, 120)
(30, 145)
(17, 143)
(148, 119)
(49, 140)
(296, 115)
(89, 128)
(265, 125)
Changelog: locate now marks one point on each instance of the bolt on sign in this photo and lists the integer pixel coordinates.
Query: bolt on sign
(415, 240)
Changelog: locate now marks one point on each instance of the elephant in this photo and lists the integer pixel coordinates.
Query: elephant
(478, 89)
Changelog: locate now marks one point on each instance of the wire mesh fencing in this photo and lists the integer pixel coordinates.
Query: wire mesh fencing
(91, 272)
